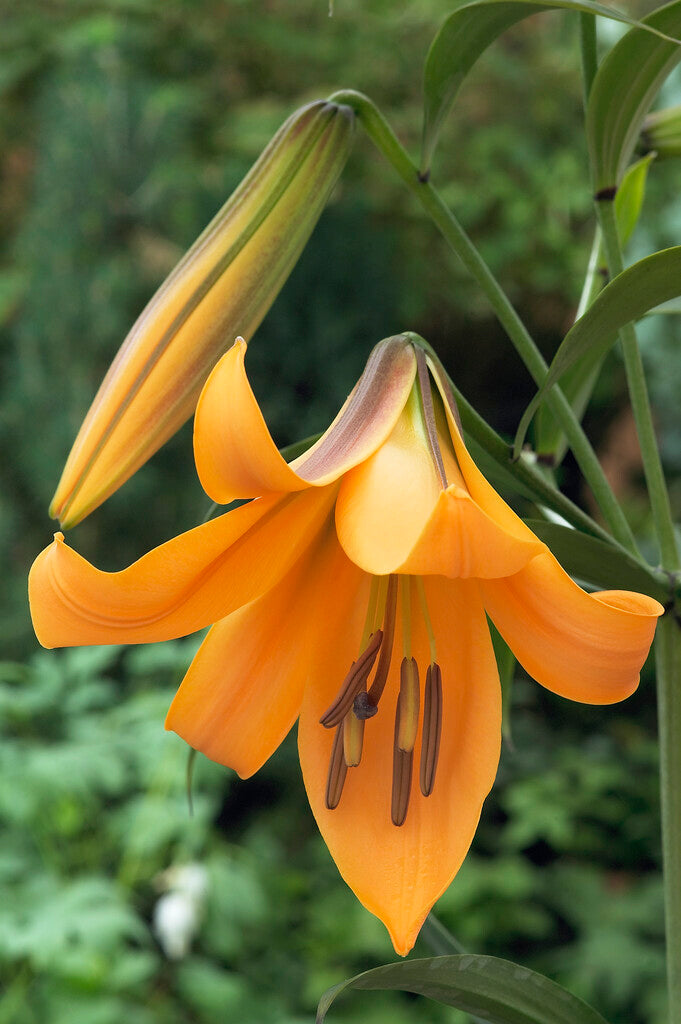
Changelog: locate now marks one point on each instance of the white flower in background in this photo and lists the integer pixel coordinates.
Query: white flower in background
(178, 911)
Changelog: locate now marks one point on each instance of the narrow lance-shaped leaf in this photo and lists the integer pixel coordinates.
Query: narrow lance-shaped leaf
(498, 991)
(623, 90)
(465, 35)
(630, 295)
(578, 382)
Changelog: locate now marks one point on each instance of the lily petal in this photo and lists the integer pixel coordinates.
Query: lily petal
(392, 515)
(399, 872)
(479, 488)
(181, 586)
(587, 647)
(234, 451)
(244, 688)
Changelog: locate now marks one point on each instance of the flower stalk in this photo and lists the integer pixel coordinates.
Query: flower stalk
(385, 140)
(668, 665)
(640, 404)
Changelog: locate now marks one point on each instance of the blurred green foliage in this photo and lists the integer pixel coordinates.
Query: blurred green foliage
(123, 127)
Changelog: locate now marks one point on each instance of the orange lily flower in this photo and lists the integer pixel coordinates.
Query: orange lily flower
(351, 593)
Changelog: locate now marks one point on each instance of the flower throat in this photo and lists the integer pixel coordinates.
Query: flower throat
(358, 700)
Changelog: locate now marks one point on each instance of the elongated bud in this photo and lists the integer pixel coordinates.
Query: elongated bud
(221, 289)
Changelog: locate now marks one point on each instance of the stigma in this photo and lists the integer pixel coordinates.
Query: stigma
(418, 712)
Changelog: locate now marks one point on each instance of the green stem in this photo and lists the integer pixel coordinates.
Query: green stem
(668, 664)
(588, 45)
(383, 137)
(640, 404)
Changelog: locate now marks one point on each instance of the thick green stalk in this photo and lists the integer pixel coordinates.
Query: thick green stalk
(668, 664)
(383, 137)
(589, 49)
(640, 404)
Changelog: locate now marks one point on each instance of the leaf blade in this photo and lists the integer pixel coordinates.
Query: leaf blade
(624, 88)
(497, 990)
(630, 295)
(465, 35)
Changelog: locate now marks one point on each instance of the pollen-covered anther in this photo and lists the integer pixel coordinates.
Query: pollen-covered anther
(432, 728)
(353, 739)
(402, 770)
(337, 771)
(409, 701)
(354, 681)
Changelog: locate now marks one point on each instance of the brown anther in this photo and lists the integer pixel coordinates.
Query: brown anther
(354, 681)
(353, 739)
(409, 701)
(432, 728)
(402, 766)
(337, 771)
(381, 678)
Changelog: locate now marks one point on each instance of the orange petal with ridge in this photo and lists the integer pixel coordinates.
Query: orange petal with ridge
(234, 451)
(181, 586)
(586, 647)
(244, 688)
(392, 515)
(399, 872)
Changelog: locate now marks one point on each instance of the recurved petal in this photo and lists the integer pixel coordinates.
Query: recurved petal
(243, 690)
(234, 451)
(181, 586)
(587, 647)
(399, 872)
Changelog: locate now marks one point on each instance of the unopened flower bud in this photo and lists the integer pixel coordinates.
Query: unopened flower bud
(223, 287)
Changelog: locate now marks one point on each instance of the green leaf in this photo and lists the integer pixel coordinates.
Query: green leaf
(624, 88)
(579, 380)
(595, 561)
(630, 295)
(496, 990)
(466, 34)
(630, 196)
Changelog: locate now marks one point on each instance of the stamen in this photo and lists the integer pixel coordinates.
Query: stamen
(409, 701)
(337, 771)
(402, 765)
(380, 679)
(370, 620)
(353, 682)
(353, 739)
(429, 414)
(405, 592)
(432, 728)
(421, 590)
